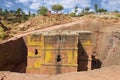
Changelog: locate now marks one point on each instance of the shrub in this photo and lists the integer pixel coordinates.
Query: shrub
(81, 15)
(118, 15)
(3, 35)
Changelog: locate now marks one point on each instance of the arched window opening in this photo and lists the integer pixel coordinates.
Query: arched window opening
(58, 58)
(36, 51)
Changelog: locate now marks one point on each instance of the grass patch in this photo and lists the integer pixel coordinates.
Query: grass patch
(1, 29)
(3, 35)
(118, 15)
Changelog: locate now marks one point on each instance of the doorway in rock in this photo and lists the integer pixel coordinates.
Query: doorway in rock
(82, 58)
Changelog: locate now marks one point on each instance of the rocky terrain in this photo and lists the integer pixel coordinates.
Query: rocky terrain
(107, 73)
(107, 46)
(106, 41)
(106, 36)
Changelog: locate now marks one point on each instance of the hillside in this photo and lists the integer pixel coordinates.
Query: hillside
(94, 22)
(34, 23)
(40, 22)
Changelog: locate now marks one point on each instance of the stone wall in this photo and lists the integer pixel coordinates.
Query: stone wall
(47, 53)
(13, 55)
(59, 52)
(49, 48)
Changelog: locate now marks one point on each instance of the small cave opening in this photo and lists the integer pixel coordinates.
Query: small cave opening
(82, 60)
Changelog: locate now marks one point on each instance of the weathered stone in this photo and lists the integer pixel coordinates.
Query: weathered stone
(13, 55)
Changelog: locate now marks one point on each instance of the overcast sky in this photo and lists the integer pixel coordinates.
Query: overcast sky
(69, 5)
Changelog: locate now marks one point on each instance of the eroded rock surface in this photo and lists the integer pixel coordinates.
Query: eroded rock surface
(108, 49)
(13, 55)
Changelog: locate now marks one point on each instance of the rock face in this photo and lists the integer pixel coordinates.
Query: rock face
(106, 40)
(108, 73)
(108, 49)
(13, 56)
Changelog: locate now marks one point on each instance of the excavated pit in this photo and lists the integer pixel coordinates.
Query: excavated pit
(57, 52)
(49, 53)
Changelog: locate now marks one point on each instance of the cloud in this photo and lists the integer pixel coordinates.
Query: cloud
(71, 4)
(111, 5)
(31, 4)
(26, 11)
(34, 6)
(67, 4)
(91, 10)
(23, 1)
(8, 3)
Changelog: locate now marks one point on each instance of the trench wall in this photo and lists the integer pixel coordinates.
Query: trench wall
(13, 55)
(108, 47)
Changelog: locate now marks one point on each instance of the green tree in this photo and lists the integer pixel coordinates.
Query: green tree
(76, 9)
(101, 10)
(96, 8)
(19, 11)
(57, 8)
(6, 12)
(25, 17)
(116, 11)
(11, 12)
(42, 10)
(87, 9)
(1, 11)
(33, 15)
(29, 13)
(19, 15)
